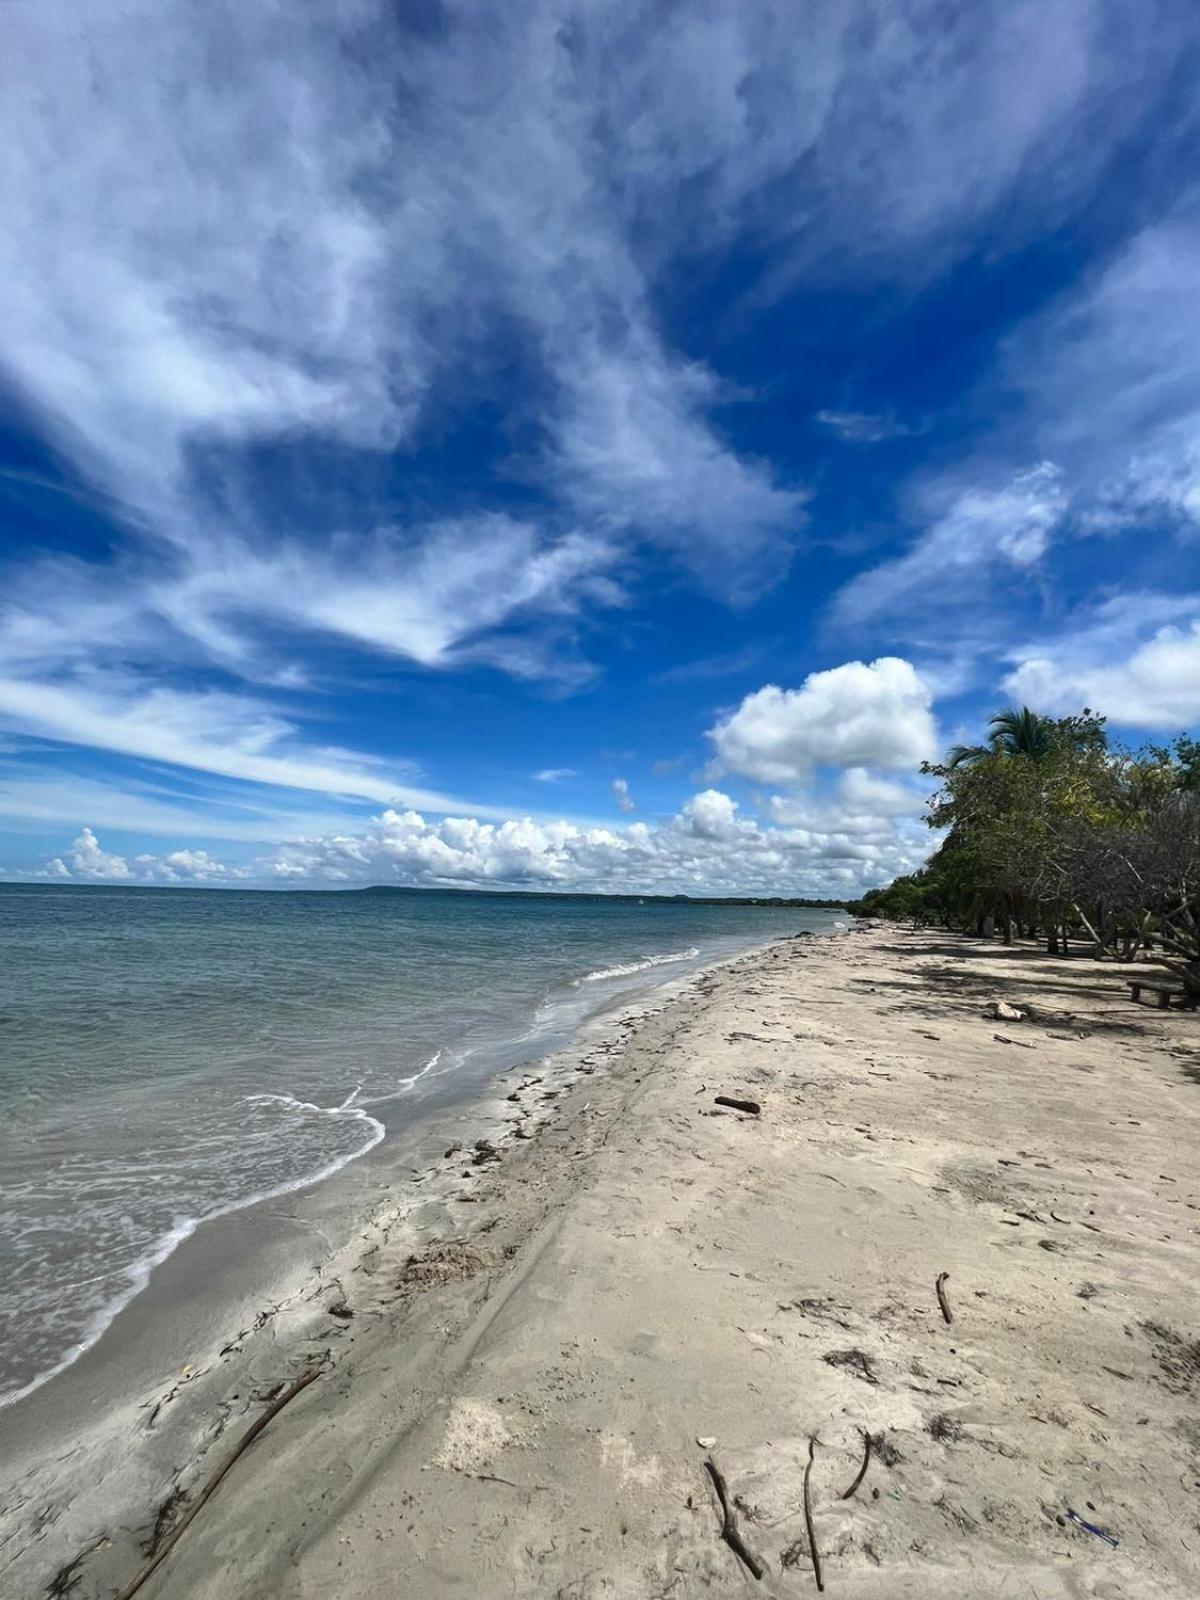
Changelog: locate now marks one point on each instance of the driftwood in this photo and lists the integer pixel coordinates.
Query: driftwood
(751, 1106)
(940, 1286)
(210, 1488)
(808, 1519)
(729, 1527)
(862, 1471)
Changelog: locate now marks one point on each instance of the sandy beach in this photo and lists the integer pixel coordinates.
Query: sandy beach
(528, 1355)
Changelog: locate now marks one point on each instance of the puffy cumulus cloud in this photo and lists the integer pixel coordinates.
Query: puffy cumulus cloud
(980, 529)
(861, 792)
(186, 866)
(706, 849)
(861, 714)
(1152, 682)
(863, 817)
(87, 860)
(863, 832)
(621, 794)
(710, 815)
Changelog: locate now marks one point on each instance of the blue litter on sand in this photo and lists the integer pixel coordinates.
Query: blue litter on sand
(1090, 1527)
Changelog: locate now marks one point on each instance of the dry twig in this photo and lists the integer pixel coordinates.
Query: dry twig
(942, 1278)
(862, 1471)
(210, 1488)
(729, 1527)
(808, 1519)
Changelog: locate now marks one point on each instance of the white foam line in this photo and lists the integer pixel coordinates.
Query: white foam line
(639, 966)
(405, 1085)
(139, 1273)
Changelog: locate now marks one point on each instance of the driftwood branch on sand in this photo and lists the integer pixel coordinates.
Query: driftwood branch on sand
(210, 1488)
(729, 1527)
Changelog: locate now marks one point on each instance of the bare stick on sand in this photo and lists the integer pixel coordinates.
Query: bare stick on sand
(248, 1438)
(942, 1278)
(729, 1527)
(808, 1520)
(862, 1471)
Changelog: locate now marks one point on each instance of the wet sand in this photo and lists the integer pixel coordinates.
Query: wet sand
(540, 1354)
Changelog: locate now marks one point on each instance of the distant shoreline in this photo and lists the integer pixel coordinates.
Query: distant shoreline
(771, 901)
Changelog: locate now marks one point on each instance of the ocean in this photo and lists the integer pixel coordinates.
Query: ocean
(169, 1056)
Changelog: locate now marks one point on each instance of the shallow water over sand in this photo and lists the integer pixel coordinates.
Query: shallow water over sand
(167, 1057)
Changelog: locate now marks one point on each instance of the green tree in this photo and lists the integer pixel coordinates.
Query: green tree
(1022, 732)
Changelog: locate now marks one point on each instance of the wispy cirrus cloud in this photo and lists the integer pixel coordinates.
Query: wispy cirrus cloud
(1110, 378)
(257, 263)
(863, 427)
(981, 533)
(212, 731)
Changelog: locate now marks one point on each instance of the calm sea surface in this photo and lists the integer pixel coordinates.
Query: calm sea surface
(167, 1056)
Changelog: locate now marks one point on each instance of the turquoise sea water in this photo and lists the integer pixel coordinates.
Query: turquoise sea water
(168, 1056)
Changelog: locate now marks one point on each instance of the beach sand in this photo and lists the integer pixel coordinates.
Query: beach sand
(541, 1353)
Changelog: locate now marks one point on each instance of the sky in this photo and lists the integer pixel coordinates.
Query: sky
(567, 446)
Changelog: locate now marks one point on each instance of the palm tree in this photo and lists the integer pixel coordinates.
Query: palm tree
(1013, 733)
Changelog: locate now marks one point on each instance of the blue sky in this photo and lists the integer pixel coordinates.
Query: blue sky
(573, 446)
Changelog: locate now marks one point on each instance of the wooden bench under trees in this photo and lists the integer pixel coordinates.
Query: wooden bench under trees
(1163, 991)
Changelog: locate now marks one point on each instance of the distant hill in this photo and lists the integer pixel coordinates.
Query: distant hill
(626, 899)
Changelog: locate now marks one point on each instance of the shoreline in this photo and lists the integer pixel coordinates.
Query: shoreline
(522, 1396)
(403, 1143)
(305, 1237)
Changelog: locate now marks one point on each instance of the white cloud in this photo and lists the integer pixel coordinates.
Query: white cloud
(1126, 661)
(303, 259)
(706, 849)
(711, 815)
(818, 848)
(621, 794)
(860, 714)
(981, 534)
(33, 794)
(863, 427)
(635, 452)
(187, 866)
(299, 262)
(298, 243)
(555, 774)
(1110, 376)
(237, 736)
(88, 860)
(864, 793)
